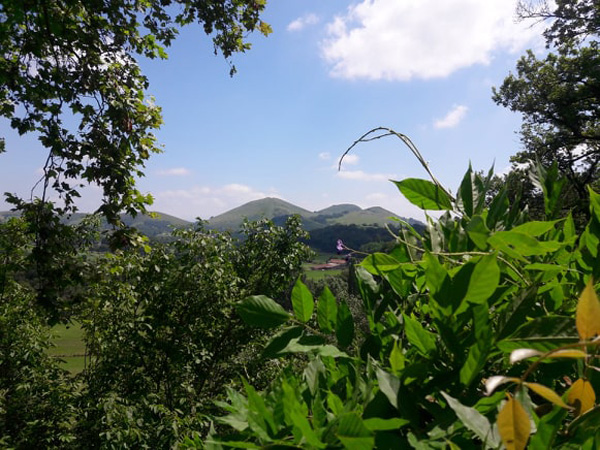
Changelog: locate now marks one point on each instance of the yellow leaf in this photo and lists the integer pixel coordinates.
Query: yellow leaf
(568, 354)
(581, 396)
(548, 394)
(587, 317)
(513, 425)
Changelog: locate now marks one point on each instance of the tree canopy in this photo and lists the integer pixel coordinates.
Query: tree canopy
(69, 75)
(559, 94)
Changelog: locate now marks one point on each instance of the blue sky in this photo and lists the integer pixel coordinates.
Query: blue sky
(330, 71)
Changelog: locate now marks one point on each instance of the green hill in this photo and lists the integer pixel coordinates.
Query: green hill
(153, 227)
(265, 208)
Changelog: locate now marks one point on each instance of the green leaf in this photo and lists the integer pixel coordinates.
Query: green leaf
(543, 334)
(296, 416)
(588, 423)
(474, 421)
(547, 429)
(388, 384)
(536, 228)
(484, 280)
(478, 232)
(302, 302)
(280, 341)
(418, 336)
(517, 244)
(262, 312)
(424, 194)
(379, 424)
(326, 311)
(378, 263)
(260, 419)
(353, 433)
(466, 194)
(344, 328)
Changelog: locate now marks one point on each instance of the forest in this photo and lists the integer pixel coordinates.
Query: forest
(480, 331)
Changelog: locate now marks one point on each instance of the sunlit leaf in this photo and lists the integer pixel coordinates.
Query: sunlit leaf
(473, 420)
(587, 317)
(262, 312)
(523, 353)
(513, 425)
(326, 311)
(302, 302)
(424, 194)
(379, 424)
(484, 280)
(547, 393)
(573, 353)
(378, 263)
(396, 358)
(581, 396)
(493, 382)
(535, 228)
(419, 336)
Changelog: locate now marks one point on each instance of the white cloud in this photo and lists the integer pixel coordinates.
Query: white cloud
(324, 156)
(206, 201)
(359, 175)
(349, 159)
(406, 39)
(302, 22)
(176, 172)
(453, 118)
(376, 197)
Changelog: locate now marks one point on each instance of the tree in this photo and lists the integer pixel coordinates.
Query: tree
(163, 336)
(68, 74)
(559, 95)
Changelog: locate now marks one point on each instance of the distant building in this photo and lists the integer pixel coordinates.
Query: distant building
(332, 263)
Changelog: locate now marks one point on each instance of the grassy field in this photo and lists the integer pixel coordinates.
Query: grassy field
(69, 347)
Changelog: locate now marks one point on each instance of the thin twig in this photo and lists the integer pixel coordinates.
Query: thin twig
(415, 151)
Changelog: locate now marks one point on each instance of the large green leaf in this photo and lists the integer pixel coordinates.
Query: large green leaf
(388, 384)
(344, 328)
(517, 244)
(378, 263)
(467, 196)
(302, 302)
(484, 280)
(326, 311)
(418, 336)
(280, 341)
(353, 433)
(424, 194)
(536, 228)
(478, 232)
(474, 421)
(262, 312)
(543, 334)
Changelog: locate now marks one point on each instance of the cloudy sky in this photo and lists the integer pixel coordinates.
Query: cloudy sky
(330, 71)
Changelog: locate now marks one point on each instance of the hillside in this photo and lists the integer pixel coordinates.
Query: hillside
(153, 227)
(278, 210)
(346, 221)
(269, 208)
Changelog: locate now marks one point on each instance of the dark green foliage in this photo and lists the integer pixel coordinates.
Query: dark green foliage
(37, 398)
